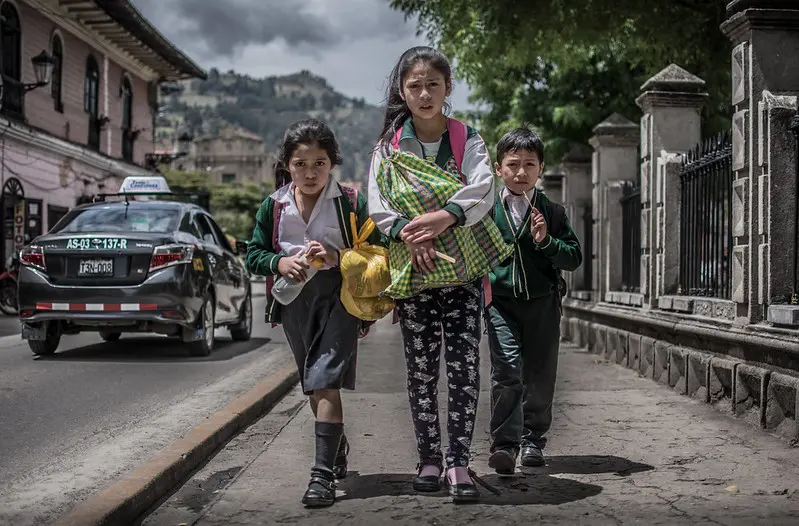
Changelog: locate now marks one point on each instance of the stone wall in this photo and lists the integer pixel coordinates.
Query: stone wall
(740, 354)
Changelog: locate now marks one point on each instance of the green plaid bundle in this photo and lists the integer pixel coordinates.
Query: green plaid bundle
(414, 186)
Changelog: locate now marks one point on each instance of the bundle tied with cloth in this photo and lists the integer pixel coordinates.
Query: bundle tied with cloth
(414, 186)
(365, 275)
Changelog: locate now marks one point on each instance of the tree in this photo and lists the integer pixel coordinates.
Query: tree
(565, 66)
(233, 205)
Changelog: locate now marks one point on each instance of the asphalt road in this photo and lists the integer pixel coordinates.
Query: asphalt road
(72, 422)
(9, 325)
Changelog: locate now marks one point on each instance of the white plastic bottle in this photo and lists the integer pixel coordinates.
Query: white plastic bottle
(285, 290)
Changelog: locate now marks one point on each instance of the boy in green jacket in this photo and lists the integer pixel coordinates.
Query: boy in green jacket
(524, 317)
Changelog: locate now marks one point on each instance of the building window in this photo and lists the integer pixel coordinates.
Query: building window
(54, 215)
(127, 120)
(228, 178)
(11, 42)
(55, 82)
(91, 90)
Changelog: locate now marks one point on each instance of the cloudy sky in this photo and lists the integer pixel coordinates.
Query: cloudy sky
(352, 43)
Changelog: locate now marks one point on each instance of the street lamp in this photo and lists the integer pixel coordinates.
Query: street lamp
(42, 69)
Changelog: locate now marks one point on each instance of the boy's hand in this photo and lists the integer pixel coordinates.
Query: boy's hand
(427, 227)
(423, 256)
(538, 225)
(293, 268)
(318, 250)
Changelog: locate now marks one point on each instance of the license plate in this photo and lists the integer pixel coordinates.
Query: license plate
(96, 267)
(99, 243)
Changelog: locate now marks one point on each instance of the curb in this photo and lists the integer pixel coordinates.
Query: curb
(135, 493)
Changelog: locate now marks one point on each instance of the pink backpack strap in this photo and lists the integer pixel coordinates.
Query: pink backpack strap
(458, 133)
(395, 140)
(352, 195)
(277, 210)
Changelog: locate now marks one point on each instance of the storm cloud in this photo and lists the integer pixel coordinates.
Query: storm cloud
(352, 43)
(222, 28)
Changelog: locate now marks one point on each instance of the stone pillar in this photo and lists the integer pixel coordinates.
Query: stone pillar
(671, 102)
(553, 185)
(615, 161)
(765, 36)
(576, 167)
(667, 232)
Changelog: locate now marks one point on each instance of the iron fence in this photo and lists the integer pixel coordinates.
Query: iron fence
(588, 249)
(631, 237)
(706, 219)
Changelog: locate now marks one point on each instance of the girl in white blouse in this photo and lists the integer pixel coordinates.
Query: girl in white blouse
(306, 222)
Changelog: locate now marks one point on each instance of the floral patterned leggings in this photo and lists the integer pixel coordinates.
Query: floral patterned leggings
(448, 317)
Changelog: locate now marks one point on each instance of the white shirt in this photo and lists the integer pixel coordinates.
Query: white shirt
(518, 205)
(294, 234)
(431, 150)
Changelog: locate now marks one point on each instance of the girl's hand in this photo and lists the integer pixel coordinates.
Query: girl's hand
(318, 250)
(293, 268)
(427, 227)
(538, 225)
(422, 256)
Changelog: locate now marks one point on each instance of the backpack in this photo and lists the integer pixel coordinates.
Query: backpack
(558, 211)
(458, 134)
(277, 211)
(352, 197)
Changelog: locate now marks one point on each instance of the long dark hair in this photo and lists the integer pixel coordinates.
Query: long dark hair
(397, 110)
(308, 132)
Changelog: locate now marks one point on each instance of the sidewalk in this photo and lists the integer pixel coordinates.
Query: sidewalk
(623, 450)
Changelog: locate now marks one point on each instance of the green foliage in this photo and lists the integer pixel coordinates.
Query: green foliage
(232, 205)
(563, 67)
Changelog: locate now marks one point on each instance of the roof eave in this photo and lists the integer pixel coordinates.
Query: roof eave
(126, 15)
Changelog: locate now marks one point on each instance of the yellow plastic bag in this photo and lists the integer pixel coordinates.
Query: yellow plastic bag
(365, 274)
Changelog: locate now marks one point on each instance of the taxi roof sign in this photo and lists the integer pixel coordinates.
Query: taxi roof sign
(144, 185)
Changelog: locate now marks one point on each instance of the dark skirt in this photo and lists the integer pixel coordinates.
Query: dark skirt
(322, 335)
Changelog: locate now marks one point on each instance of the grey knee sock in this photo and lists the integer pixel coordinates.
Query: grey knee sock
(328, 436)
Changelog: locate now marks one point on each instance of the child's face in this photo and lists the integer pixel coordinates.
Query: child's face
(310, 167)
(520, 169)
(425, 90)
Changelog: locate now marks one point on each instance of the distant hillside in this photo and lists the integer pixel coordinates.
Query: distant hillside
(267, 106)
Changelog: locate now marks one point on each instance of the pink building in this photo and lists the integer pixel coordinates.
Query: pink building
(93, 123)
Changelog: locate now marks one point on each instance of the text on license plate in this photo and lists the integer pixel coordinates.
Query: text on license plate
(85, 243)
(96, 267)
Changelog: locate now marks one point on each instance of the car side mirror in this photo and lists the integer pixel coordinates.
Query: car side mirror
(241, 248)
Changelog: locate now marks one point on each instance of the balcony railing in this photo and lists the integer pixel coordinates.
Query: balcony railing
(13, 98)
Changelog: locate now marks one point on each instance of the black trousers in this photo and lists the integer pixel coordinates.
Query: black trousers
(448, 318)
(524, 338)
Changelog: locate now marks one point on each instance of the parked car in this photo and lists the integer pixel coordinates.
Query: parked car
(146, 266)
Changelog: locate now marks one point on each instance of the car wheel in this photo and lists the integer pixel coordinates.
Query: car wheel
(49, 345)
(242, 331)
(110, 336)
(206, 345)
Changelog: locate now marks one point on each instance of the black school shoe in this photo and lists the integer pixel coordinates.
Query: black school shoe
(532, 457)
(321, 491)
(340, 467)
(463, 493)
(429, 483)
(503, 461)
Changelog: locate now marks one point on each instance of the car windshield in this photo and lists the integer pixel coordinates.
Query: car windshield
(120, 218)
